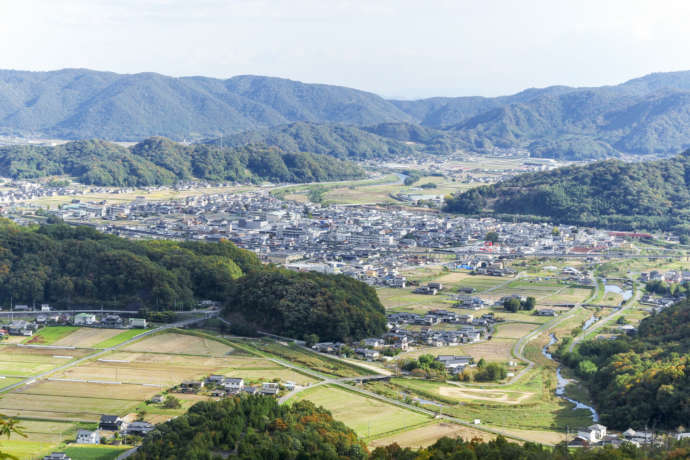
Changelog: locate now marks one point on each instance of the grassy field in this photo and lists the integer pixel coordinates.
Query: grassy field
(429, 434)
(319, 363)
(171, 342)
(119, 338)
(50, 335)
(94, 452)
(24, 361)
(285, 375)
(455, 393)
(27, 450)
(370, 418)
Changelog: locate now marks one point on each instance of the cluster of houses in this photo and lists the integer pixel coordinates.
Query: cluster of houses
(28, 328)
(371, 243)
(221, 386)
(597, 435)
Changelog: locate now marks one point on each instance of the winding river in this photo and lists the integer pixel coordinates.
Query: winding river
(562, 382)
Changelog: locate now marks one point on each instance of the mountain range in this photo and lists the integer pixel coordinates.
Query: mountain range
(648, 115)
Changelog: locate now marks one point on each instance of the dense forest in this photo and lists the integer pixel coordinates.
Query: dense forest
(254, 427)
(65, 266)
(335, 307)
(158, 161)
(257, 427)
(651, 195)
(643, 380)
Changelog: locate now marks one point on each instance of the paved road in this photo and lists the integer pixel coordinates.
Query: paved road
(34, 378)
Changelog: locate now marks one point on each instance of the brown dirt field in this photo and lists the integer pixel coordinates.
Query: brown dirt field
(514, 330)
(15, 353)
(87, 337)
(496, 349)
(427, 435)
(65, 404)
(547, 437)
(181, 344)
(485, 395)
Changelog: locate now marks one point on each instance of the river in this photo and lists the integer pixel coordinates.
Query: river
(562, 382)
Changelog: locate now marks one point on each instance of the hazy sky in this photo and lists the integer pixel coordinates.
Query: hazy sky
(396, 48)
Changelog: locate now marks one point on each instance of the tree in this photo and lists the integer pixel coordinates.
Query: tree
(491, 237)
(511, 304)
(171, 402)
(8, 426)
(529, 304)
(311, 339)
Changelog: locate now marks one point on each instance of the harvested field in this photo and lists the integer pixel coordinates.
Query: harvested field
(285, 375)
(174, 343)
(89, 390)
(475, 394)
(78, 408)
(370, 418)
(87, 337)
(429, 434)
(513, 330)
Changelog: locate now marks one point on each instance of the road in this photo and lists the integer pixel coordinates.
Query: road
(34, 378)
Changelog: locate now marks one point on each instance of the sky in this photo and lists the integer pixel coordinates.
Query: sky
(395, 48)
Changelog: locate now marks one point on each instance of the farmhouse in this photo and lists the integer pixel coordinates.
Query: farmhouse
(139, 428)
(57, 456)
(233, 384)
(20, 327)
(546, 312)
(84, 319)
(137, 322)
(111, 423)
(88, 437)
(269, 389)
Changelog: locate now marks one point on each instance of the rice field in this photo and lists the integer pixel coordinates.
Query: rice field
(426, 435)
(174, 343)
(86, 337)
(368, 417)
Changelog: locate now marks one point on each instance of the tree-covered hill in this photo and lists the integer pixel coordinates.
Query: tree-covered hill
(254, 427)
(337, 140)
(642, 380)
(67, 266)
(258, 428)
(629, 196)
(157, 161)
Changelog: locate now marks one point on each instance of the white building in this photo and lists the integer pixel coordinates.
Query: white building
(88, 437)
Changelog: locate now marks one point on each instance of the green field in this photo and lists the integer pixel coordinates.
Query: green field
(120, 338)
(50, 335)
(94, 452)
(370, 418)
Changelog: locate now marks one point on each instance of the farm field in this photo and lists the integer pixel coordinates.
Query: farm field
(18, 361)
(50, 335)
(86, 337)
(429, 434)
(171, 342)
(119, 338)
(94, 452)
(369, 417)
(285, 375)
(89, 390)
(463, 393)
(496, 349)
(513, 330)
(67, 407)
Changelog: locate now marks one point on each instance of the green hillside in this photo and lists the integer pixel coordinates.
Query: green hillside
(158, 161)
(67, 266)
(642, 380)
(612, 194)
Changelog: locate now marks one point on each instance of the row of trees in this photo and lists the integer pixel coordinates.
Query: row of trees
(515, 304)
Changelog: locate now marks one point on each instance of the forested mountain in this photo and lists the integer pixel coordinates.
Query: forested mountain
(258, 428)
(642, 116)
(80, 103)
(384, 140)
(67, 266)
(158, 161)
(629, 196)
(642, 380)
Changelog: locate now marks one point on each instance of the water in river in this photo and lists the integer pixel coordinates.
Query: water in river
(562, 382)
